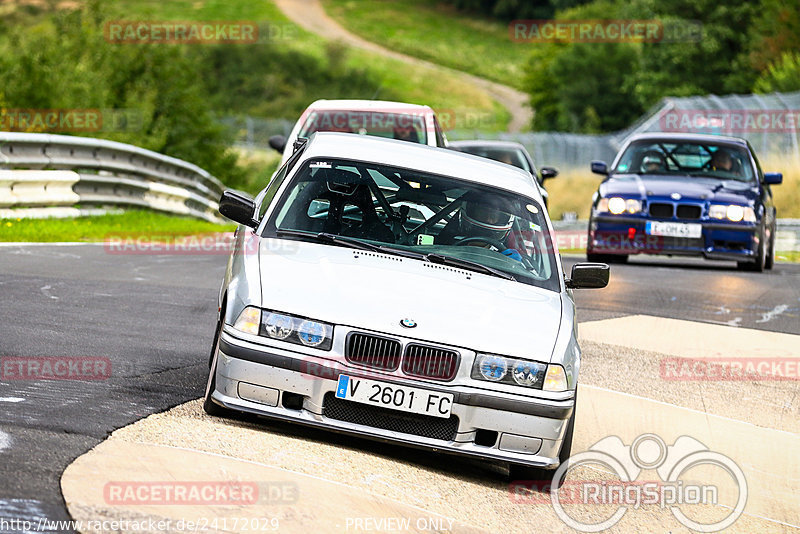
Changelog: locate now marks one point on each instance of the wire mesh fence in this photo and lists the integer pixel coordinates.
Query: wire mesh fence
(770, 122)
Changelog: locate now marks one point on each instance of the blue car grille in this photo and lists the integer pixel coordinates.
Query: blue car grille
(661, 210)
(689, 211)
(668, 210)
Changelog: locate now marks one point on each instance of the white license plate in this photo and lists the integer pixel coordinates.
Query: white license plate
(402, 398)
(673, 229)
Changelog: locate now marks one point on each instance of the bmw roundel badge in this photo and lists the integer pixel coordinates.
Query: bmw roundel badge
(408, 323)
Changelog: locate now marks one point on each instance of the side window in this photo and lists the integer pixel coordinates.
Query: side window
(272, 188)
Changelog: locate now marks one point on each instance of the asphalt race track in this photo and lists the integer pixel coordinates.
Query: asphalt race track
(152, 317)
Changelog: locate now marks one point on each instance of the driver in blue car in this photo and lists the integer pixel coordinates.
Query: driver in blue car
(479, 223)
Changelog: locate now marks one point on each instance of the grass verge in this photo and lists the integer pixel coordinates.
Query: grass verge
(145, 224)
(415, 27)
(397, 80)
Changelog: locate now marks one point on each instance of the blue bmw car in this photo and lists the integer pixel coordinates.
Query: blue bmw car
(684, 194)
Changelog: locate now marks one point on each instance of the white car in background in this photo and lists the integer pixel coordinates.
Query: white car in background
(511, 153)
(404, 293)
(394, 120)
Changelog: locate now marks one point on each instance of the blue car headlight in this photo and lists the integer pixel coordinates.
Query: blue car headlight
(619, 205)
(732, 212)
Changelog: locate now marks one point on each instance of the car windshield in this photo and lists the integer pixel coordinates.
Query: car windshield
(511, 156)
(403, 126)
(692, 158)
(423, 216)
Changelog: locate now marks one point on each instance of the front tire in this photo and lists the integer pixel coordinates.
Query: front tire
(760, 264)
(770, 261)
(544, 476)
(209, 406)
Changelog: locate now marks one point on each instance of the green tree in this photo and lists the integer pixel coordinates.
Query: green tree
(583, 87)
(65, 62)
(782, 76)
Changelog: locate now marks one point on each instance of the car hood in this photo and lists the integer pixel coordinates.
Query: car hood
(376, 291)
(633, 185)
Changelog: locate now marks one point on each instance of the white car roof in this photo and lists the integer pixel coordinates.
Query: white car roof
(359, 105)
(423, 158)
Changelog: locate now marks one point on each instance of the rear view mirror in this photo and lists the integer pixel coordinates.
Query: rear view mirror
(588, 276)
(278, 142)
(238, 207)
(600, 167)
(773, 178)
(548, 172)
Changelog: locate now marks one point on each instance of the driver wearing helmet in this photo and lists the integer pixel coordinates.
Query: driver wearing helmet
(653, 161)
(488, 224)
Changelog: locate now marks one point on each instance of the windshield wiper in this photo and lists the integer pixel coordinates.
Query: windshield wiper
(363, 245)
(351, 242)
(467, 264)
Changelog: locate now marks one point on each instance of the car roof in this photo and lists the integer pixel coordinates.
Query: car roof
(421, 157)
(488, 143)
(353, 105)
(672, 136)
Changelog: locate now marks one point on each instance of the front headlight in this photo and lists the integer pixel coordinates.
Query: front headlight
(732, 212)
(284, 327)
(619, 205)
(500, 369)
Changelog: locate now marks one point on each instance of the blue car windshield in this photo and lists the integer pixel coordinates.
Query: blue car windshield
(687, 158)
(424, 216)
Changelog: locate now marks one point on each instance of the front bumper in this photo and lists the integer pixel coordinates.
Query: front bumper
(718, 241)
(291, 386)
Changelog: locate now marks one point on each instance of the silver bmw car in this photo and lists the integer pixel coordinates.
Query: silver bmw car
(404, 293)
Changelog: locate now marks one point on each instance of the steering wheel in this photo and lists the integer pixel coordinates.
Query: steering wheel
(496, 244)
(492, 242)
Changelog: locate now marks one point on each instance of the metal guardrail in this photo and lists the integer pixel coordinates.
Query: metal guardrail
(54, 171)
(573, 234)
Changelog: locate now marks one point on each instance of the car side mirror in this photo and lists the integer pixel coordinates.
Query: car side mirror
(238, 207)
(588, 276)
(773, 178)
(278, 142)
(548, 172)
(600, 167)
